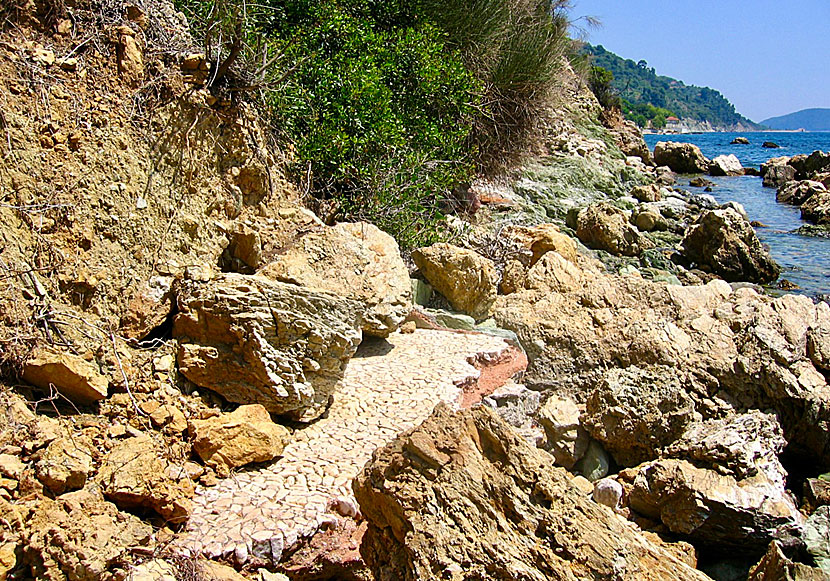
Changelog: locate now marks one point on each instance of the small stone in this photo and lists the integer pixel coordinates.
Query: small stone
(608, 492)
(141, 203)
(583, 484)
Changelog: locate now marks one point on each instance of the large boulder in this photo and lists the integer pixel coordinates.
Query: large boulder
(254, 340)
(242, 437)
(808, 165)
(71, 375)
(356, 260)
(463, 497)
(726, 165)
(680, 157)
(713, 509)
(648, 193)
(777, 172)
(606, 227)
(798, 192)
(133, 476)
(724, 243)
(817, 208)
(467, 279)
(635, 412)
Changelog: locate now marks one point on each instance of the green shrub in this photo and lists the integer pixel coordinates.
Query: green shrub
(600, 80)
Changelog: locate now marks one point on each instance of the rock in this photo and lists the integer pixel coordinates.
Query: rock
(218, 571)
(739, 209)
(594, 463)
(807, 166)
(665, 176)
(542, 239)
(777, 174)
(608, 492)
(726, 165)
(333, 553)
(567, 440)
(650, 193)
(421, 292)
(798, 192)
(740, 141)
(78, 536)
(704, 201)
(74, 377)
(701, 182)
(817, 537)
(816, 494)
(11, 466)
(770, 145)
(604, 227)
(742, 445)
(133, 476)
(713, 509)
(725, 244)
(680, 157)
(517, 405)
(467, 279)
(130, 57)
(649, 221)
(423, 496)
(149, 307)
(817, 208)
(155, 570)
(253, 340)
(355, 260)
(627, 135)
(65, 465)
(242, 437)
(634, 412)
(450, 320)
(775, 566)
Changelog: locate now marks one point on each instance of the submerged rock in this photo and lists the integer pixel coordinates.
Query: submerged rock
(723, 242)
(463, 497)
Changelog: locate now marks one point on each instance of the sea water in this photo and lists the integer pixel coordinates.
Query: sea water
(805, 260)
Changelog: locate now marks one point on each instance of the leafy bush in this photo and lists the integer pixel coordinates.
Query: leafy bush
(600, 80)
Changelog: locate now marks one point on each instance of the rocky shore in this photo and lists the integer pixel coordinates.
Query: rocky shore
(201, 380)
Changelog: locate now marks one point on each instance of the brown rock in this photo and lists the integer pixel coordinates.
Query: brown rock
(798, 192)
(463, 497)
(649, 193)
(775, 566)
(605, 227)
(133, 476)
(567, 440)
(65, 465)
(72, 376)
(253, 340)
(333, 553)
(542, 239)
(817, 208)
(723, 242)
(355, 260)
(467, 279)
(816, 494)
(776, 172)
(242, 437)
(149, 307)
(713, 509)
(680, 157)
(130, 56)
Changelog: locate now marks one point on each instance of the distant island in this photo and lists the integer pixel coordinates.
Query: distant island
(807, 119)
(662, 103)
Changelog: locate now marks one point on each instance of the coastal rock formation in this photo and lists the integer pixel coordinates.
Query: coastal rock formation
(253, 340)
(798, 192)
(680, 157)
(627, 135)
(605, 227)
(649, 193)
(726, 165)
(713, 509)
(817, 208)
(777, 172)
(740, 141)
(355, 260)
(463, 497)
(724, 243)
(542, 239)
(242, 437)
(467, 279)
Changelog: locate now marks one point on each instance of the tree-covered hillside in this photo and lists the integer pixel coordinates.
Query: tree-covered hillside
(648, 96)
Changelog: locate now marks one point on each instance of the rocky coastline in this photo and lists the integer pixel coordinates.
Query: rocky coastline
(202, 380)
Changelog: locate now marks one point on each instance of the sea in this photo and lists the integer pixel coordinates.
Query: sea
(805, 260)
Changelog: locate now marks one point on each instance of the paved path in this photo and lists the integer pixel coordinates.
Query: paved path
(390, 386)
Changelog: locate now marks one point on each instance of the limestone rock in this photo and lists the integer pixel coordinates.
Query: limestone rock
(130, 56)
(355, 260)
(433, 499)
(155, 570)
(817, 208)
(542, 239)
(648, 221)
(149, 307)
(775, 566)
(133, 475)
(798, 192)
(253, 340)
(723, 242)
(680, 157)
(467, 279)
(817, 537)
(627, 135)
(64, 465)
(777, 172)
(567, 440)
(634, 412)
(605, 227)
(726, 165)
(649, 193)
(74, 377)
(711, 508)
(242, 437)
(816, 494)
(609, 492)
(78, 536)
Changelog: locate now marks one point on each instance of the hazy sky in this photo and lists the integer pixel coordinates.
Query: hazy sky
(768, 57)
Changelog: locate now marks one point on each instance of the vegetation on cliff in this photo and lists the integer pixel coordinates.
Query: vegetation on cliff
(389, 105)
(649, 97)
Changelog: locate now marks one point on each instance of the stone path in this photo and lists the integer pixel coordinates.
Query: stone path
(390, 386)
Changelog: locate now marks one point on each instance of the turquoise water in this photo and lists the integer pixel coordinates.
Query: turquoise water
(805, 260)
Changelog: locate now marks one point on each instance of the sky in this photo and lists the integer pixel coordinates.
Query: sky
(769, 58)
